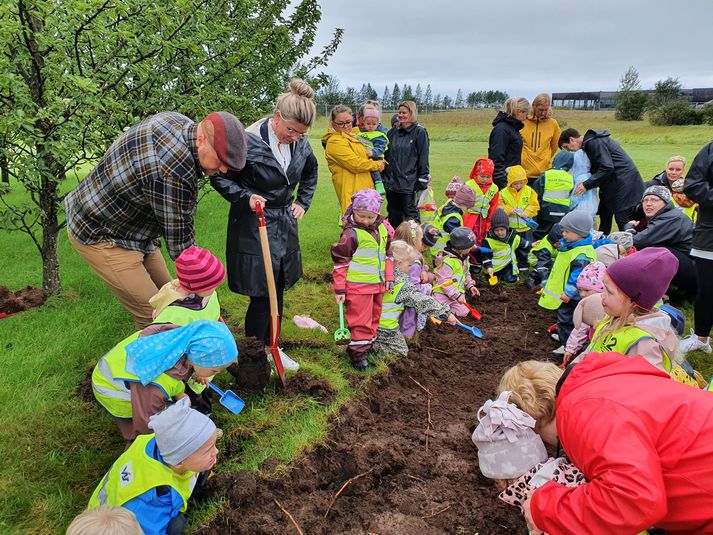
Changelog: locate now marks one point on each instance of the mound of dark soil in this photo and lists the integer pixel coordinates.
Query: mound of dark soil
(21, 300)
(252, 372)
(399, 460)
(303, 383)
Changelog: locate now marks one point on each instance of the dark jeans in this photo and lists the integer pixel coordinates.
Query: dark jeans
(401, 207)
(257, 317)
(177, 525)
(622, 217)
(526, 239)
(565, 323)
(703, 309)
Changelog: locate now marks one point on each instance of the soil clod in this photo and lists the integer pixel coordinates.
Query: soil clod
(21, 300)
(303, 383)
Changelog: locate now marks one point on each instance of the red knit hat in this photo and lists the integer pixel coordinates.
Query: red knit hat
(229, 139)
(199, 270)
(484, 166)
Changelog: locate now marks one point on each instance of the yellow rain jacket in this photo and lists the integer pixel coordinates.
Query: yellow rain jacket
(348, 163)
(539, 145)
(525, 200)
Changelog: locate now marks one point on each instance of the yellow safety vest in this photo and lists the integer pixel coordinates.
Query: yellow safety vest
(390, 309)
(369, 260)
(544, 244)
(558, 187)
(110, 376)
(503, 254)
(482, 200)
(182, 316)
(621, 341)
(458, 275)
(691, 212)
(445, 236)
(517, 221)
(136, 472)
(550, 298)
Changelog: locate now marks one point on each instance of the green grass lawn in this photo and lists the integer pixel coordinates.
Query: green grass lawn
(54, 447)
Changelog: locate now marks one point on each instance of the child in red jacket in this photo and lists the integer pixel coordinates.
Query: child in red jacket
(363, 271)
(487, 198)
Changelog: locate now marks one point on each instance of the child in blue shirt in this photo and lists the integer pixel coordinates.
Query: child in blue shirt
(373, 136)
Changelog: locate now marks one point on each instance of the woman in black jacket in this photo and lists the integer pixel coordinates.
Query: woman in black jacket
(699, 188)
(279, 161)
(505, 143)
(407, 169)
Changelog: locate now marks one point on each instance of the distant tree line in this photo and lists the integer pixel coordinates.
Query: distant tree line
(331, 94)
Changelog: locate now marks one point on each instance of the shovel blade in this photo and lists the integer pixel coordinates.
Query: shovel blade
(232, 402)
(493, 280)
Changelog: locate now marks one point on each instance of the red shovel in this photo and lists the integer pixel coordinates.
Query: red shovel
(473, 312)
(272, 292)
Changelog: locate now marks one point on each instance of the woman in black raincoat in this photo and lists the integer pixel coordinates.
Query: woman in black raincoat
(280, 161)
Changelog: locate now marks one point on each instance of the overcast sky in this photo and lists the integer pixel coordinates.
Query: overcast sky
(522, 47)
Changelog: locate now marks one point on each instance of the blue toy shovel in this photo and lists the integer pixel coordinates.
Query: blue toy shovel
(529, 222)
(472, 330)
(229, 399)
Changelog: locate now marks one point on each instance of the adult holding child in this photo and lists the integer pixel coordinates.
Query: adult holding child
(539, 138)
(505, 143)
(613, 172)
(281, 175)
(407, 172)
(641, 440)
(146, 187)
(347, 157)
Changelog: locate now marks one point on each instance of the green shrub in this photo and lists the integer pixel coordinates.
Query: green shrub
(630, 105)
(707, 113)
(675, 112)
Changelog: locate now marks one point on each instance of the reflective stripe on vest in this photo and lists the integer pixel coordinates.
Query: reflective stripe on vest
(517, 221)
(445, 236)
(109, 377)
(622, 340)
(544, 244)
(558, 187)
(550, 298)
(504, 254)
(458, 274)
(136, 472)
(390, 309)
(180, 315)
(482, 200)
(369, 260)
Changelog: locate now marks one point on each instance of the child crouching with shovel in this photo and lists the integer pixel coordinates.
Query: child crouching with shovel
(405, 294)
(363, 271)
(452, 272)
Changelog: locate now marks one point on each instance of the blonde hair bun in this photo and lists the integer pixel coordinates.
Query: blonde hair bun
(301, 88)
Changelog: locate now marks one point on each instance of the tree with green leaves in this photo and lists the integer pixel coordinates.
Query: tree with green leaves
(74, 74)
(459, 101)
(630, 101)
(428, 97)
(407, 93)
(395, 96)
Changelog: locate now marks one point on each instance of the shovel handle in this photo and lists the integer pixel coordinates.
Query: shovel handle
(217, 390)
(441, 285)
(341, 315)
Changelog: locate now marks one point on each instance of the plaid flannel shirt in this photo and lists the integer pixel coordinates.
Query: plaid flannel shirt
(144, 187)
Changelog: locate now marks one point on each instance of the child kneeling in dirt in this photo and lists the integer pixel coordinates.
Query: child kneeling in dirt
(450, 216)
(404, 295)
(155, 477)
(542, 256)
(453, 272)
(513, 454)
(498, 255)
(363, 271)
(560, 292)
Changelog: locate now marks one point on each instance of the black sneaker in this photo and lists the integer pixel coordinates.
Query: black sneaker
(360, 365)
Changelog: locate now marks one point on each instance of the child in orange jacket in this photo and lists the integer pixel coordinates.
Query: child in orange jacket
(363, 271)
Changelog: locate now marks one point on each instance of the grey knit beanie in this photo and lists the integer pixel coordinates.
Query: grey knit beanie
(625, 240)
(180, 431)
(462, 238)
(662, 192)
(499, 219)
(579, 222)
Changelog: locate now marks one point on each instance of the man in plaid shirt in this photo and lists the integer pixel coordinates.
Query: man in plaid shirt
(146, 187)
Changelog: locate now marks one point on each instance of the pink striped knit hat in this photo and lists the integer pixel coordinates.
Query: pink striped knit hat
(198, 270)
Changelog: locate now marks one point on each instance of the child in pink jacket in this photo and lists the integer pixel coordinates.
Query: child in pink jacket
(453, 268)
(363, 271)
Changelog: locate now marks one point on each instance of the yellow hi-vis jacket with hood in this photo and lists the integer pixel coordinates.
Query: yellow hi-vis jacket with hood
(524, 200)
(539, 145)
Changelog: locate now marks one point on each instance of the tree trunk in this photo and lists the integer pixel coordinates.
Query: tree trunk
(49, 205)
(4, 169)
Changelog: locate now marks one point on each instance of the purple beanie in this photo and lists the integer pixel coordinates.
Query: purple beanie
(645, 275)
(465, 196)
(367, 199)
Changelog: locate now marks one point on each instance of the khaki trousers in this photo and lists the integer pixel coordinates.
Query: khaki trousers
(133, 277)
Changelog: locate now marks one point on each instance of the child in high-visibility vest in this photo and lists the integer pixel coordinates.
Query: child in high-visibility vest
(156, 475)
(633, 324)
(560, 291)
(487, 197)
(542, 256)
(453, 268)
(520, 204)
(363, 271)
(502, 242)
(450, 215)
(418, 273)
(404, 296)
(589, 311)
(373, 136)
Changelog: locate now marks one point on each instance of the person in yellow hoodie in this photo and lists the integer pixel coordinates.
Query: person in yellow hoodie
(539, 138)
(520, 204)
(347, 157)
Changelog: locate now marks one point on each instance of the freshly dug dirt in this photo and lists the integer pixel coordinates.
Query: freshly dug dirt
(252, 372)
(303, 383)
(21, 300)
(409, 465)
